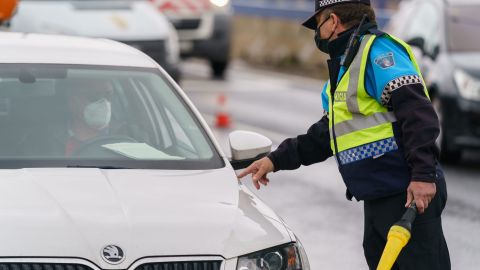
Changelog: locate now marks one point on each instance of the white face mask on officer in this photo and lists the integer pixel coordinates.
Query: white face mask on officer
(97, 114)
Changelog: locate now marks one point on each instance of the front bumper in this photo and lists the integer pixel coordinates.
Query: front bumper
(461, 122)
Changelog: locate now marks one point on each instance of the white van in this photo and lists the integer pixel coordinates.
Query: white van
(135, 23)
(204, 29)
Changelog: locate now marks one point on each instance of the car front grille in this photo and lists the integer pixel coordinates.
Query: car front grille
(185, 265)
(190, 265)
(43, 266)
(187, 24)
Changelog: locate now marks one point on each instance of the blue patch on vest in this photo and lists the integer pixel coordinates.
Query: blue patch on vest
(385, 60)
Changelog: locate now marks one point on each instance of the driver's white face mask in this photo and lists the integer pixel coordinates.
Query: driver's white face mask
(97, 114)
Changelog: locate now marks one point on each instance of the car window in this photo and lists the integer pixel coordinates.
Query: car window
(61, 115)
(463, 28)
(425, 23)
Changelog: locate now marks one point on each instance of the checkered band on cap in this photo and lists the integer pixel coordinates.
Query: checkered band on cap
(325, 3)
(370, 150)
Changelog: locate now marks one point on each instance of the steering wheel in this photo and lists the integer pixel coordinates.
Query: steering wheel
(93, 147)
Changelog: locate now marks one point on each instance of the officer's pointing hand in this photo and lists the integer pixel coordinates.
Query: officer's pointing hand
(259, 170)
(422, 193)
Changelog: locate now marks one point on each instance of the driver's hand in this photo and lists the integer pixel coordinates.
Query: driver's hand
(259, 170)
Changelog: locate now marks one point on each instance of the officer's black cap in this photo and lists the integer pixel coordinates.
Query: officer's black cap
(311, 22)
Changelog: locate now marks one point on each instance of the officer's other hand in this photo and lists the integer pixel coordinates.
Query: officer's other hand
(422, 193)
(259, 170)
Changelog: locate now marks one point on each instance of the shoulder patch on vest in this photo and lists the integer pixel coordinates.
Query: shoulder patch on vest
(385, 60)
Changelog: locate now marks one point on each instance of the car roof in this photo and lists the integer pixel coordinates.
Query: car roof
(56, 49)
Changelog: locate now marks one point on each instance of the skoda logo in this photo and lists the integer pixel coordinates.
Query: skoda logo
(113, 254)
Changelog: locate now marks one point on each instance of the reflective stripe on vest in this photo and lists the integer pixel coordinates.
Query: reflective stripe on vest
(359, 122)
(359, 119)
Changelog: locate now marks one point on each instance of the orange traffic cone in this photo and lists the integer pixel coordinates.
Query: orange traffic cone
(222, 118)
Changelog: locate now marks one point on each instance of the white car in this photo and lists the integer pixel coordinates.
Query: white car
(106, 164)
(133, 22)
(204, 29)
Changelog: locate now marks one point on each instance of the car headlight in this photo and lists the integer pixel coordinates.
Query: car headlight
(286, 257)
(468, 86)
(220, 3)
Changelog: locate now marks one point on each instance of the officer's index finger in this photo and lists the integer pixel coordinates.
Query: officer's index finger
(247, 171)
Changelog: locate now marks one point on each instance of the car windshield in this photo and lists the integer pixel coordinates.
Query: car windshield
(90, 116)
(463, 28)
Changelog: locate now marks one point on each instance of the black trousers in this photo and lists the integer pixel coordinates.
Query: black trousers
(427, 248)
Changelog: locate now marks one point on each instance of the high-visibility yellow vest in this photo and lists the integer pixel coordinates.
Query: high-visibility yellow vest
(356, 118)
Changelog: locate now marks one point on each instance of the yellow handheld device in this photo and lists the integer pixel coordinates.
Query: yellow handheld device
(397, 238)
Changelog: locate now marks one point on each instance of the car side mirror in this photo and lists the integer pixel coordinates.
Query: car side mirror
(247, 147)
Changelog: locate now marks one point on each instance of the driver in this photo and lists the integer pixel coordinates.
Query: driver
(89, 103)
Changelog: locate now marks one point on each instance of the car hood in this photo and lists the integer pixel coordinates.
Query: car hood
(77, 212)
(119, 20)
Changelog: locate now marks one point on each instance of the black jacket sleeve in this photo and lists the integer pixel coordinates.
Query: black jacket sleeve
(420, 128)
(305, 149)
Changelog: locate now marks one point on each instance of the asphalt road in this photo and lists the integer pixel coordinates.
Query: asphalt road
(311, 200)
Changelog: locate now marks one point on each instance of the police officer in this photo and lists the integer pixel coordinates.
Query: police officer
(380, 126)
